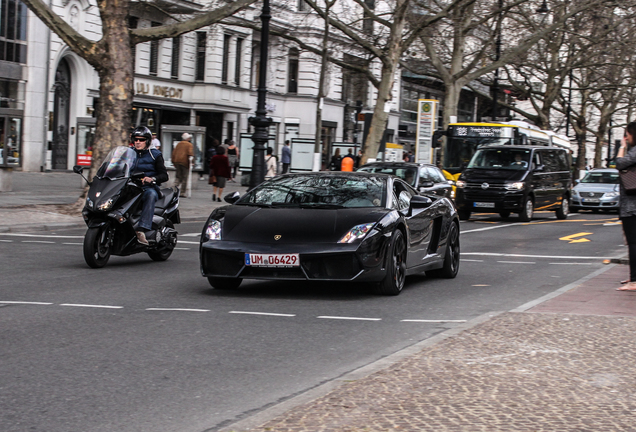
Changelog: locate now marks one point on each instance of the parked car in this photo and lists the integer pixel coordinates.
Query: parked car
(597, 190)
(331, 226)
(508, 179)
(425, 178)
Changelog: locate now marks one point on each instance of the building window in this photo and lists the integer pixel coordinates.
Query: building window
(226, 58)
(154, 53)
(200, 65)
(239, 60)
(302, 6)
(355, 84)
(13, 46)
(367, 22)
(176, 54)
(292, 79)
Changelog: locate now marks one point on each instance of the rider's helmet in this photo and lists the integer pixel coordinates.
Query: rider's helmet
(141, 131)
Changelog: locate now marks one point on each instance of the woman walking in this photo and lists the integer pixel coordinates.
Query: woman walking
(232, 155)
(625, 158)
(219, 168)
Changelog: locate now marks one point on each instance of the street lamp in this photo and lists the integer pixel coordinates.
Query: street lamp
(261, 122)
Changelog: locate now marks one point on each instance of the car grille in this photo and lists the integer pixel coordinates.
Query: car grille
(591, 194)
(474, 191)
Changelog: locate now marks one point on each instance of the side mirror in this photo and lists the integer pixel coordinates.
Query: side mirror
(540, 168)
(78, 169)
(577, 181)
(232, 197)
(427, 184)
(420, 202)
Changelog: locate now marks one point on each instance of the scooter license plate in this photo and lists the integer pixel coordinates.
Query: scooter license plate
(272, 260)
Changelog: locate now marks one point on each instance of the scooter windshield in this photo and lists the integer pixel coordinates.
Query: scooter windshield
(117, 163)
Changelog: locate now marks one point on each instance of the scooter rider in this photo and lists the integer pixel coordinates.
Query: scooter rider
(151, 163)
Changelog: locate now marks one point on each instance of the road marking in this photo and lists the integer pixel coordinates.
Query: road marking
(262, 313)
(92, 306)
(7, 241)
(585, 264)
(469, 260)
(41, 235)
(190, 235)
(178, 309)
(433, 321)
(571, 238)
(181, 248)
(25, 302)
(489, 228)
(531, 256)
(37, 241)
(81, 244)
(187, 242)
(349, 318)
(516, 262)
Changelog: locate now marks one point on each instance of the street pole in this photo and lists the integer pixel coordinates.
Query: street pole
(261, 122)
(569, 108)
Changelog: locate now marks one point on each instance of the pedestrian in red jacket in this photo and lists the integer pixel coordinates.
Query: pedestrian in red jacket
(220, 169)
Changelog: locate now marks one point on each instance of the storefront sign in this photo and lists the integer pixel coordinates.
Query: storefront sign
(142, 88)
(84, 159)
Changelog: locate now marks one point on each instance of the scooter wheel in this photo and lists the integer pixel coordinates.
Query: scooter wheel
(97, 246)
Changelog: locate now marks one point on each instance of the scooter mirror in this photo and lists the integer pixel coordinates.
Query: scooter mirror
(78, 169)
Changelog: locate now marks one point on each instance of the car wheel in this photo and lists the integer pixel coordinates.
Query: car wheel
(451, 257)
(525, 215)
(504, 214)
(464, 214)
(97, 247)
(225, 283)
(396, 267)
(564, 209)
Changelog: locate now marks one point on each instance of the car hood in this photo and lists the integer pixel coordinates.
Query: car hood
(479, 175)
(596, 187)
(293, 225)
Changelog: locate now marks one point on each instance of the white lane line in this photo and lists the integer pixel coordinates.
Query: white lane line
(182, 248)
(178, 309)
(469, 260)
(433, 321)
(583, 264)
(37, 241)
(187, 242)
(190, 235)
(262, 313)
(7, 241)
(92, 306)
(41, 235)
(489, 228)
(25, 303)
(349, 318)
(516, 262)
(73, 244)
(530, 256)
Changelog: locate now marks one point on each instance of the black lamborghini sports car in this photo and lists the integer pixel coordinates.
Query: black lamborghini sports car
(331, 226)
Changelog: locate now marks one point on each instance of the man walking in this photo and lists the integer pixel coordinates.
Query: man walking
(182, 154)
(286, 157)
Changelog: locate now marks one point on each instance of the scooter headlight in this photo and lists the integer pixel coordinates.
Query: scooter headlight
(89, 203)
(106, 205)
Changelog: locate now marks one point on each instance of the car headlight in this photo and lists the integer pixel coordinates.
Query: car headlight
(358, 232)
(460, 184)
(575, 192)
(514, 186)
(611, 194)
(106, 205)
(213, 230)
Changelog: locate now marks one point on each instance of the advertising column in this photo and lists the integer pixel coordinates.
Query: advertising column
(426, 125)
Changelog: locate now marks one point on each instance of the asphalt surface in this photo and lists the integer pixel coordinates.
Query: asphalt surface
(560, 363)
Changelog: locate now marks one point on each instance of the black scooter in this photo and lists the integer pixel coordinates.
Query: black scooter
(113, 210)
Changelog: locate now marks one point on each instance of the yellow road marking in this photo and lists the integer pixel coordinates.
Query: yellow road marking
(572, 238)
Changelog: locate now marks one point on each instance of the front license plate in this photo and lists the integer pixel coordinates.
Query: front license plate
(591, 200)
(484, 205)
(272, 260)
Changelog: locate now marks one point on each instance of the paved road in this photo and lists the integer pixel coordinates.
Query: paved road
(148, 346)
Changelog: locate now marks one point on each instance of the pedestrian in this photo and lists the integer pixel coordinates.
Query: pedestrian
(220, 169)
(347, 162)
(233, 158)
(286, 157)
(334, 165)
(155, 143)
(625, 158)
(270, 162)
(182, 156)
(358, 159)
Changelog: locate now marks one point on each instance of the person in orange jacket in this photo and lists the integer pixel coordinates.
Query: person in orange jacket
(347, 162)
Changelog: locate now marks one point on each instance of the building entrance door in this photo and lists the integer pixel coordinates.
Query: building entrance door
(59, 157)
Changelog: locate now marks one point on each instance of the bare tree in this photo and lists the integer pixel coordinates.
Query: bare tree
(112, 58)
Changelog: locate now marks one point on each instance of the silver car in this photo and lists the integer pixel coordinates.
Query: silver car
(598, 190)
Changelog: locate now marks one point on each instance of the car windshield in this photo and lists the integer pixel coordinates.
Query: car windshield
(316, 191)
(600, 177)
(405, 173)
(117, 163)
(501, 158)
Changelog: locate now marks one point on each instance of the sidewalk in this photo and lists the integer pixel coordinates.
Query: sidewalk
(39, 201)
(561, 363)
